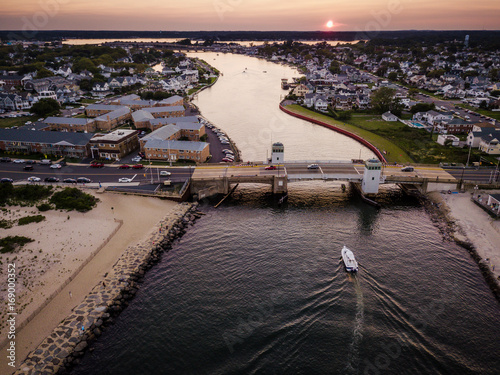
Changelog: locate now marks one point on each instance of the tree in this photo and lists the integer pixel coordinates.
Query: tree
(412, 92)
(393, 76)
(44, 73)
(45, 107)
(383, 100)
(422, 107)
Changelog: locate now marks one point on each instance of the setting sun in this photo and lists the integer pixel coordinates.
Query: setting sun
(329, 24)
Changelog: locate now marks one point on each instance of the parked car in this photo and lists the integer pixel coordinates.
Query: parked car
(136, 159)
(70, 180)
(313, 166)
(33, 162)
(28, 168)
(6, 179)
(124, 179)
(165, 173)
(5, 159)
(34, 179)
(138, 166)
(407, 169)
(19, 161)
(96, 165)
(124, 166)
(51, 179)
(46, 162)
(270, 167)
(56, 166)
(227, 160)
(83, 180)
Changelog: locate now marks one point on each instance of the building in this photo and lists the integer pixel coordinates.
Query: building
(175, 100)
(70, 124)
(388, 116)
(166, 111)
(277, 153)
(45, 142)
(114, 145)
(163, 144)
(96, 110)
(113, 119)
(442, 139)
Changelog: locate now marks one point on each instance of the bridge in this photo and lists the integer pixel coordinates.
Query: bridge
(208, 181)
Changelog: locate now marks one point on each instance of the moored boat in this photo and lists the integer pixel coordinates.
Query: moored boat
(349, 261)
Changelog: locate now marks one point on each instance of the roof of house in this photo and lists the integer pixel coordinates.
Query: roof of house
(114, 114)
(176, 145)
(37, 136)
(171, 100)
(114, 136)
(173, 108)
(103, 107)
(68, 120)
(162, 133)
(139, 116)
(388, 114)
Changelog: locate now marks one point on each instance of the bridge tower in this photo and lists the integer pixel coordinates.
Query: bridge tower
(278, 153)
(371, 176)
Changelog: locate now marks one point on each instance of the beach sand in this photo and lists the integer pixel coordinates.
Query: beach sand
(474, 225)
(66, 245)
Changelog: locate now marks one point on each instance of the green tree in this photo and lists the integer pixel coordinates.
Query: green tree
(383, 100)
(45, 107)
(43, 73)
(422, 107)
(393, 76)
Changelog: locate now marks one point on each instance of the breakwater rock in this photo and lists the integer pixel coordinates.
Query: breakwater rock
(64, 347)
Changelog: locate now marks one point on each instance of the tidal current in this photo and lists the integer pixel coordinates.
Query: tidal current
(259, 288)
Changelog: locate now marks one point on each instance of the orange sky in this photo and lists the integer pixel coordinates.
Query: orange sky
(359, 15)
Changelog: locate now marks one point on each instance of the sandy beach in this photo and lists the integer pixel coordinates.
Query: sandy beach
(474, 225)
(64, 242)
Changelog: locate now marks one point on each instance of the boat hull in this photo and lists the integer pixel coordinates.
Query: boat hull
(350, 263)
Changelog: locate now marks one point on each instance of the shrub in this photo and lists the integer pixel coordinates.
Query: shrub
(10, 243)
(31, 219)
(31, 193)
(5, 224)
(73, 199)
(44, 207)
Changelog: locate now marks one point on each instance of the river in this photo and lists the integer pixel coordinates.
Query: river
(258, 288)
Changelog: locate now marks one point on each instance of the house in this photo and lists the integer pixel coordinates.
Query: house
(321, 103)
(301, 90)
(490, 143)
(309, 99)
(443, 139)
(479, 131)
(342, 102)
(113, 119)
(69, 124)
(458, 126)
(11, 102)
(46, 142)
(114, 145)
(95, 110)
(388, 116)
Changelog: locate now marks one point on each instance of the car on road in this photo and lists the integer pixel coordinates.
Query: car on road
(124, 166)
(124, 179)
(56, 166)
(138, 166)
(70, 180)
(407, 169)
(28, 168)
(96, 165)
(5, 159)
(18, 161)
(34, 179)
(224, 142)
(136, 159)
(227, 160)
(165, 173)
(6, 179)
(83, 180)
(270, 168)
(51, 179)
(32, 162)
(313, 166)
(227, 151)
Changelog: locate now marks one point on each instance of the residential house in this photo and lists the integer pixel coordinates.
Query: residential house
(388, 116)
(443, 139)
(111, 120)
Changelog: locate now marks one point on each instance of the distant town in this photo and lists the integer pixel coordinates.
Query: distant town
(124, 97)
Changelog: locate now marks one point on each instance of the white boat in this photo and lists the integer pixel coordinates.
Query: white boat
(349, 261)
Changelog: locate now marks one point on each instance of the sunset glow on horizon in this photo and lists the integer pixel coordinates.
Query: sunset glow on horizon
(363, 15)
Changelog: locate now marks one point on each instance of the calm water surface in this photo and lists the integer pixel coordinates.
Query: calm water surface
(258, 288)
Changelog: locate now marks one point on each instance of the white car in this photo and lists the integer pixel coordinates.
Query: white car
(125, 179)
(165, 173)
(56, 166)
(18, 161)
(34, 179)
(137, 159)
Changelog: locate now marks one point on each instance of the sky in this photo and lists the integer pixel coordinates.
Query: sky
(238, 15)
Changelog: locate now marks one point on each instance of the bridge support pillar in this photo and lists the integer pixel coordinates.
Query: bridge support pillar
(280, 185)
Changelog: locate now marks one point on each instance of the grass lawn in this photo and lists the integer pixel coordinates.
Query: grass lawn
(402, 143)
(16, 121)
(88, 101)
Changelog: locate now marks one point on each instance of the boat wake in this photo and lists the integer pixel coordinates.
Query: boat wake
(357, 333)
